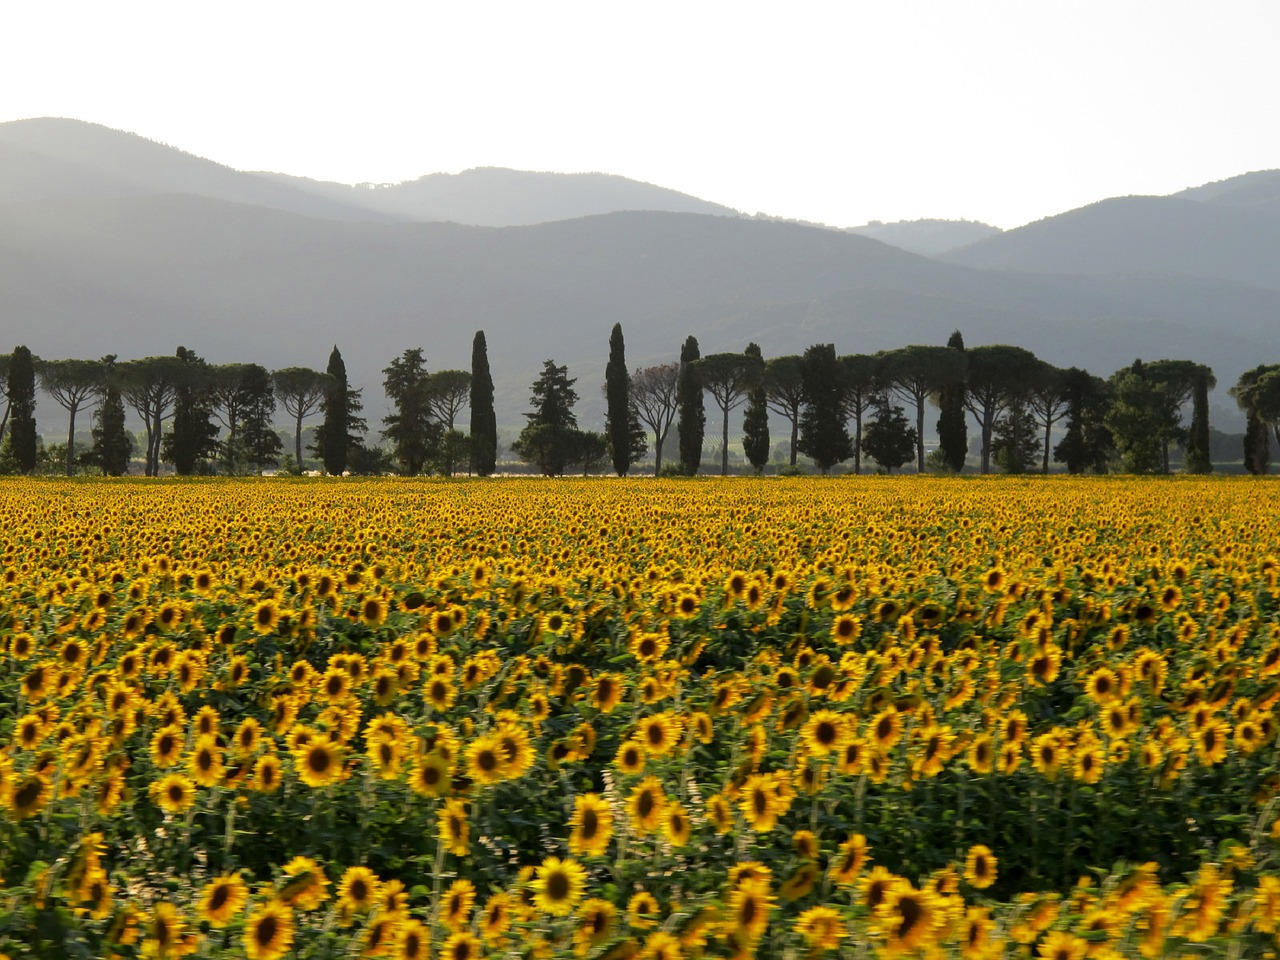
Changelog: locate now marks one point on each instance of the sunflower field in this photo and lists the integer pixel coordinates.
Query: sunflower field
(874, 717)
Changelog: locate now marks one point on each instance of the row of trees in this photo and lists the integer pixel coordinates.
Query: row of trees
(839, 408)
(843, 408)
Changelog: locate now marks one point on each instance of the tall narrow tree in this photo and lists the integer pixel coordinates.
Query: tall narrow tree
(112, 445)
(618, 415)
(21, 391)
(1198, 460)
(823, 436)
(1086, 444)
(953, 433)
(693, 415)
(484, 421)
(755, 421)
(340, 433)
(194, 437)
(413, 433)
(1249, 397)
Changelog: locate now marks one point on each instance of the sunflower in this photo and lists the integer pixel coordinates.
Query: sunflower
(1060, 945)
(318, 762)
(386, 754)
(1211, 742)
(591, 826)
(164, 934)
(440, 693)
(414, 942)
(1047, 754)
(27, 796)
(645, 806)
(643, 910)
(174, 793)
(495, 921)
(845, 629)
(748, 909)
(306, 886)
(676, 824)
(850, 860)
(980, 867)
(558, 886)
(358, 889)
(486, 761)
(910, 918)
(221, 899)
(265, 617)
(821, 927)
(461, 946)
(658, 734)
(596, 921)
(630, 758)
(1102, 685)
(761, 803)
(886, 728)
(975, 942)
(268, 933)
(823, 732)
(459, 901)
(205, 763)
(266, 774)
(1088, 762)
(800, 884)
(451, 820)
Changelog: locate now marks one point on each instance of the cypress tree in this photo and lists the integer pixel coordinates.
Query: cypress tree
(953, 434)
(823, 435)
(22, 409)
(331, 438)
(1198, 460)
(1257, 445)
(755, 420)
(194, 435)
(693, 416)
(617, 395)
(484, 422)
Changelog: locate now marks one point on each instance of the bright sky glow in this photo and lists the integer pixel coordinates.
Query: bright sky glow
(832, 112)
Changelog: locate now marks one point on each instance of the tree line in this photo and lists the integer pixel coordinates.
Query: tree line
(205, 418)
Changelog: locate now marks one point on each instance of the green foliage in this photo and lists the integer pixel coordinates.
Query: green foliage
(728, 377)
(112, 443)
(1143, 418)
(194, 438)
(21, 392)
(412, 430)
(1087, 445)
(823, 436)
(484, 422)
(784, 391)
(692, 423)
(889, 439)
(953, 432)
(915, 374)
(550, 438)
(1016, 441)
(755, 421)
(1198, 459)
(342, 432)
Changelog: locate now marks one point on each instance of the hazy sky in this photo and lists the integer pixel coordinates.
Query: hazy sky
(833, 112)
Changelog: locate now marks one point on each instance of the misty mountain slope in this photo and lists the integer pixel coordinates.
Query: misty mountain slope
(928, 238)
(1259, 190)
(497, 197)
(1137, 236)
(235, 282)
(49, 157)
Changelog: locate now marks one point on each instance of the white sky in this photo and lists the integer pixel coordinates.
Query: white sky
(833, 112)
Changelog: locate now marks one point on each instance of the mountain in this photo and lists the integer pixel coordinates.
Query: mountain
(1259, 190)
(927, 237)
(48, 158)
(138, 276)
(1210, 236)
(497, 197)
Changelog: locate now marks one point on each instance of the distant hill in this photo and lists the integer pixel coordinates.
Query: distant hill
(497, 197)
(927, 237)
(137, 276)
(48, 158)
(1259, 190)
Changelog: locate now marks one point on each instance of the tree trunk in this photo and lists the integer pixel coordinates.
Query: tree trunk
(71, 441)
(857, 441)
(297, 441)
(657, 453)
(1047, 425)
(724, 444)
(795, 437)
(988, 424)
(920, 435)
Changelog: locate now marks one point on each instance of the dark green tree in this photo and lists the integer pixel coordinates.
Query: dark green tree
(1197, 460)
(148, 385)
(71, 383)
(590, 449)
(1047, 402)
(996, 377)
(300, 391)
(889, 439)
(1015, 442)
(823, 436)
(953, 432)
(784, 388)
(447, 393)
(1086, 446)
(654, 392)
(21, 393)
(112, 444)
(194, 438)
(550, 438)
(342, 432)
(861, 388)
(692, 422)
(917, 373)
(618, 415)
(755, 420)
(414, 434)
(484, 422)
(1249, 395)
(728, 377)
(258, 440)
(1176, 380)
(1141, 419)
